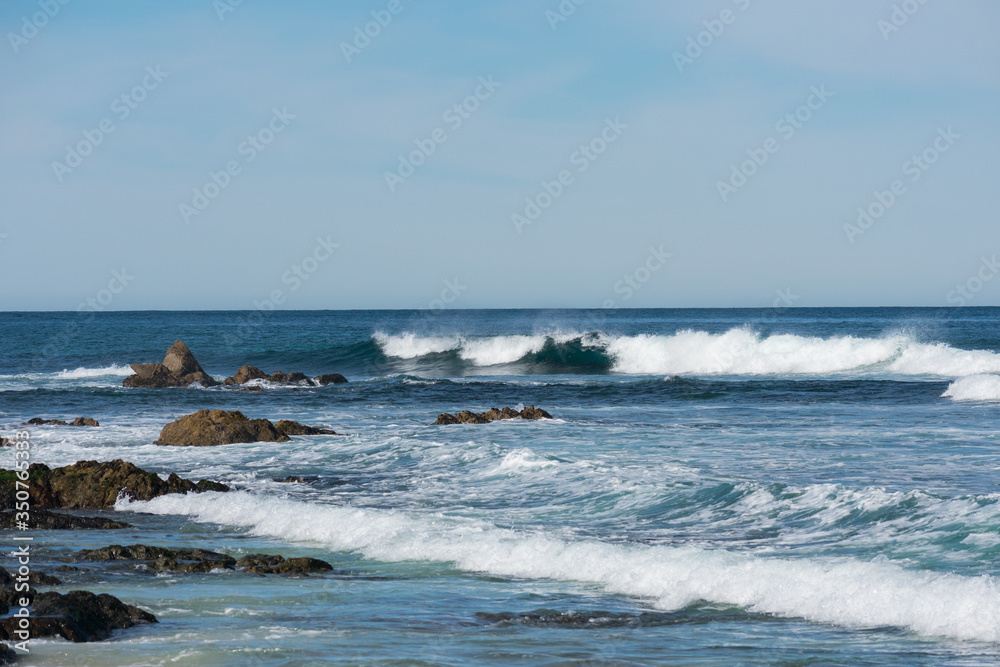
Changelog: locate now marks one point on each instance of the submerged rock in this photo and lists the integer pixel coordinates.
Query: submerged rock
(95, 485)
(79, 616)
(79, 421)
(265, 564)
(178, 369)
(329, 378)
(46, 520)
(201, 560)
(295, 428)
(493, 414)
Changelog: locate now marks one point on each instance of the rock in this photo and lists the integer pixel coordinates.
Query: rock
(298, 479)
(329, 378)
(79, 421)
(265, 564)
(245, 374)
(38, 421)
(8, 656)
(179, 369)
(294, 428)
(200, 560)
(493, 414)
(79, 616)
(46, 520)
(34, 577)
(94, 485)
(252, 387)
(5, 442)
(218, 427)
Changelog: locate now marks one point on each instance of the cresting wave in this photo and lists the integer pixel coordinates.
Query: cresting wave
(114, 370)
(982, 387)
(735, 352)
(845, 592)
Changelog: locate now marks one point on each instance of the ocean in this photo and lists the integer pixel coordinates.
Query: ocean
(717, 487)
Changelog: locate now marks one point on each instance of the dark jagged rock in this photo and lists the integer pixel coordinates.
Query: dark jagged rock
(84, 421)
(200, 560)
(6, 442)
(35, 578)
(493, 414)
(247, 373)
(218, 427)
(95, 485)
(178, 369)
(79, 616)
(252, 387)
(329, 378)
(265, 564)
(46, 520)
(295, 428)
(298, 479)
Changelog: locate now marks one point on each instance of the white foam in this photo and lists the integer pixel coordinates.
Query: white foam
(500, 349)
(975, 388)
(411, 346)
(80, 373)
(846, 592)
(523, 459)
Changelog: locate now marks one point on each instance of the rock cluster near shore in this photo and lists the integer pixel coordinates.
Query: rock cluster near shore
(206, 428)
(94, 485)
(201, 560)
(79, 616)
(179, 368)
(493, 414)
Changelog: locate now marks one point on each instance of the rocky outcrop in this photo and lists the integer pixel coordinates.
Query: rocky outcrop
(218, 427)
(178, 369)
(247, 373)
(79, 616)
(207, 428)
(493, 414)
(201, 560)
(46, 520)
(95, 485)
(79, 421)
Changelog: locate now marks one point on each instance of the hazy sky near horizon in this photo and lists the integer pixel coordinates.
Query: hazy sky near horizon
(213, 155)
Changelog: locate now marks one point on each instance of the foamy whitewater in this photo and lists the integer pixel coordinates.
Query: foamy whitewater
(717, 487)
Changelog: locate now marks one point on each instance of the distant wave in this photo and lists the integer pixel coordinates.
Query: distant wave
(735, 352)
(980, 387)
(844, 592)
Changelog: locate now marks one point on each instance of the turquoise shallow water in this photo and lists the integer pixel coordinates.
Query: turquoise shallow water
(718, 487)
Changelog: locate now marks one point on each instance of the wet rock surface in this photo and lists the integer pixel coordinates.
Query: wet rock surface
(45, 520)
(95, 485)
(493, 414)
(201, 560)
(206, 428)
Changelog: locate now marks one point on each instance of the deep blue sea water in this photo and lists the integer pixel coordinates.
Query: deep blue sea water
(780, 487)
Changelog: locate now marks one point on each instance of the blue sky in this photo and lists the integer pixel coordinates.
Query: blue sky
(312, 220)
